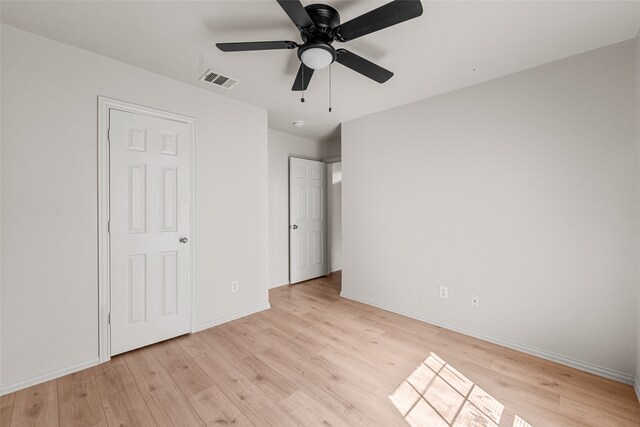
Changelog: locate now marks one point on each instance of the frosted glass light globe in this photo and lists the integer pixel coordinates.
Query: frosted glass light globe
(316, 58)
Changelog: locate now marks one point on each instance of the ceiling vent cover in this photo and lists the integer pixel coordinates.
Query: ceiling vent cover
(218, 79)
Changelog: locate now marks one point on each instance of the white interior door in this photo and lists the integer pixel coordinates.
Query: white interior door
(149, 229)
(307, 219)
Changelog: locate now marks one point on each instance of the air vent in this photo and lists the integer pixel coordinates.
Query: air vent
(218, 79)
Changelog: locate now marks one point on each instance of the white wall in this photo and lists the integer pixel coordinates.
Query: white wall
(49, 199)
(331, 149)
(637, 376)
(522, 190)
(281, 147)
(334, 215)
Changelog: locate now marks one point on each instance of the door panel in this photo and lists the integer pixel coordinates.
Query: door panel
(169, 199)
(137, 200)
(150, 212)
(170, 281)
(308, 225)
(137, 284)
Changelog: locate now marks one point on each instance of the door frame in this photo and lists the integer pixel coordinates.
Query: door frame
(105, 105)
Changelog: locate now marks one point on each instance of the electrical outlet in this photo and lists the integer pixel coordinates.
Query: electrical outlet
(444, 292)
(234, 286)
(475, 301)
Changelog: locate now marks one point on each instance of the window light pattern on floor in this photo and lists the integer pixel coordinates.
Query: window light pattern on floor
(436, 394)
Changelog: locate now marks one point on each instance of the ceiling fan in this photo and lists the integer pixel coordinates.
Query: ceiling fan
(319, 26)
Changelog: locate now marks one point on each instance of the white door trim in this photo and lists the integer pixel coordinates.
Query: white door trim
(105, 105)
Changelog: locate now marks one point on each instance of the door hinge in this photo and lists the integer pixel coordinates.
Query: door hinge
(109, 227)
(109, 318)
(109, 135)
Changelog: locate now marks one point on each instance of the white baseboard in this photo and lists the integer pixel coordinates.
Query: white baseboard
(573, 363)
(10, 388)
(275, 285)
(234, 316)
(336, 268)
(636, 386)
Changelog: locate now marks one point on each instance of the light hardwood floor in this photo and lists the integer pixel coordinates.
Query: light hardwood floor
(318, 359)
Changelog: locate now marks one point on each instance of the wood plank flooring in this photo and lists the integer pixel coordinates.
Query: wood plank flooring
(318, 359)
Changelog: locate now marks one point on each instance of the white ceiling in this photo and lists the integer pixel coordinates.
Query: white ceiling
(452, 45)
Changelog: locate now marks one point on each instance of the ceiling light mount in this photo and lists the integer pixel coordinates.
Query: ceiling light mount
(298, 123)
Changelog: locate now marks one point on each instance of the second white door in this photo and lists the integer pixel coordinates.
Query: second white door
(150, 229)
(307, 220)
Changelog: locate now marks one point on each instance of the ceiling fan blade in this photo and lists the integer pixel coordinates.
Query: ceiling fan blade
(245, 46)
(385, 16)
(362, 66)
(297, 13)
(298, 83)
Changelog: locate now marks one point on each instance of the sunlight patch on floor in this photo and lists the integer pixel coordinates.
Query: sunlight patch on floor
(519, 422)
(436, 394)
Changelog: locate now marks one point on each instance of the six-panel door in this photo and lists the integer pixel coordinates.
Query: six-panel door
(307, 219)
(149, 214)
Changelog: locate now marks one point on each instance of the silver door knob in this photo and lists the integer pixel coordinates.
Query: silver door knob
(184, 240)
(295, 227)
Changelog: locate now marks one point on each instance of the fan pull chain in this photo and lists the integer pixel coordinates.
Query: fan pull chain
(302, 83)
(329, 88)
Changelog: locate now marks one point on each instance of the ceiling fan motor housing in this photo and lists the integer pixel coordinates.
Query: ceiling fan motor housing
(326, 19)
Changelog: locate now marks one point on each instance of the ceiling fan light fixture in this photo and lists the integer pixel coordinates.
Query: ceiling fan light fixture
(319, 26)
(318, 57)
